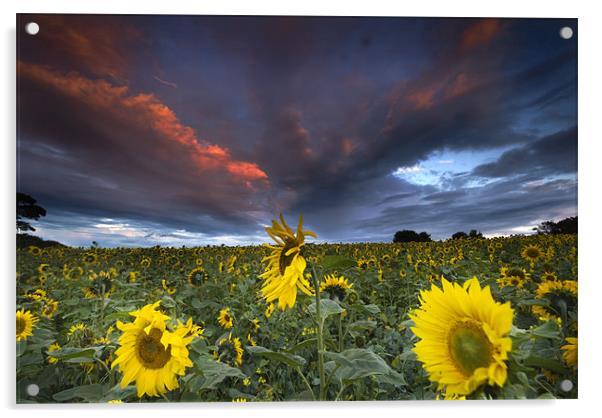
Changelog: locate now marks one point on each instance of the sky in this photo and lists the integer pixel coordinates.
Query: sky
(195, 130)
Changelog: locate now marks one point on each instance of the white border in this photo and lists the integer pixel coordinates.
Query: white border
(590, 179)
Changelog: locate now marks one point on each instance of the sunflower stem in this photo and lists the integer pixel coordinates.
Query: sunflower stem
(313, 395)
(340, 332)
(320, 335)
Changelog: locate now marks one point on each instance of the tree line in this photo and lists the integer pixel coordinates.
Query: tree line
(565, 226)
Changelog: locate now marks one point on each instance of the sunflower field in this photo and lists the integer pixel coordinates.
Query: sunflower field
(457, 319)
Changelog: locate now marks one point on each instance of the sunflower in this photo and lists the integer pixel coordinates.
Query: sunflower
(532, 253)
(513, 277)
(90, 258)
(145, 262)
(562, 295)
(284, 272)
(169, 287)
(50, 308)
(37, 295)
(197, 276)
(225, 319)
(229, 350)
(570, 352)
(53, 347)
(255, 326)
(335, 286)
(43, 269)
(150, 354)
(25, 323)
(251, 341)
(75, 273)
(269, 310)
(77, 329)
(100, 285)
(549, 276)
(463, 333)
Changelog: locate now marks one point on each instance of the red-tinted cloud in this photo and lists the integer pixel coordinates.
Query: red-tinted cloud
(479, 34)
(145, 110)
(88, 43)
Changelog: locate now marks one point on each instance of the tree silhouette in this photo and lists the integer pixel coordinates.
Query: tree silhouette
(411, 236)
(460, 235)
(27, 208)
(475, 234)
(565, 226)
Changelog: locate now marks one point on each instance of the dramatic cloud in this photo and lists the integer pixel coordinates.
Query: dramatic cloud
(183, 130)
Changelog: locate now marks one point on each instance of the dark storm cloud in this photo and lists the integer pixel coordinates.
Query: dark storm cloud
(553, 154)
(210, 125)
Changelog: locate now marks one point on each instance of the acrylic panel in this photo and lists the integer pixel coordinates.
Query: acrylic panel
(295, 208)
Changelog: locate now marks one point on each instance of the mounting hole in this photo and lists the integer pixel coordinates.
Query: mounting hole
(566, 32)
(566, 385)
(33, 389)
(32, 28)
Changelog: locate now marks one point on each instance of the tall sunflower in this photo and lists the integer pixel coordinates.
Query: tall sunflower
(150, 354)
(25, 324)
(286, 266)
(464, 336)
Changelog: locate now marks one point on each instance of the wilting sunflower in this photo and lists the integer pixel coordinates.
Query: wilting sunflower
(532, 253)
(464, 336)
(286, 266)
(229, 350)
(150, 354)
(198, 276)
(335, 286)
(513, 277)
(53, 347)
(225, 319)
(25, 323)
(570, 352)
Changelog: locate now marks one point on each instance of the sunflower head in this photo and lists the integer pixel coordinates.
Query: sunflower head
(335, 286)
(463, 335)
(225, 318)
(285, 269)
(25, 324)
(513, 277)
(562, 296)
(53, 347)
(198, 276)
(50, 308)
(570, 352)
(150, 354)
(532, 253)
(101, 285)
(229, 350)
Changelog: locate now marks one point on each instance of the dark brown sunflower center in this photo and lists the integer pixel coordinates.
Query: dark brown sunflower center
(286, 260)
(532, 252)
(516, 273)
(21, 324)
(469, 347)
(151, 353)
